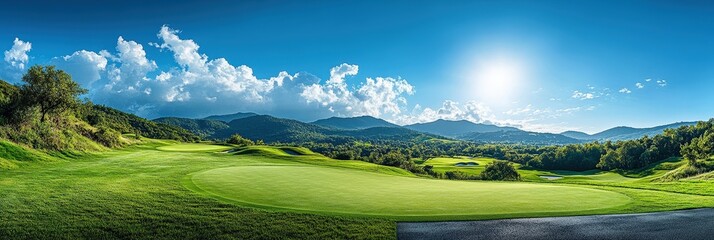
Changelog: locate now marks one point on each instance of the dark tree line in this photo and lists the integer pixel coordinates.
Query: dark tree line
(692, 142)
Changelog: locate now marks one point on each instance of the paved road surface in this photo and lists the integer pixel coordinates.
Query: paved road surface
(685, 224)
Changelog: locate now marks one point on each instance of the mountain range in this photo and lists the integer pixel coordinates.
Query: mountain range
(230, 117)
(353, 123)
(624, 133)
(272, 129)
(343, 129)
(455, 129)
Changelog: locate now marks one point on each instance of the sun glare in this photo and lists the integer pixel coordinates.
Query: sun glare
(497, 79)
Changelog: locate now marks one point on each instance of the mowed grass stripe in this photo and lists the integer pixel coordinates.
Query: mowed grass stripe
(352, 192)
(194, 147)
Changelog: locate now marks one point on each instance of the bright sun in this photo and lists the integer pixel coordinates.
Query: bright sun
(497, 79)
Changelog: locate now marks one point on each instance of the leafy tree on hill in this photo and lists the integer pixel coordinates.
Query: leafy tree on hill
(394, 158)
(50, 94)
(500, 170)
(239, 140)
(50, 89)
(699, 148)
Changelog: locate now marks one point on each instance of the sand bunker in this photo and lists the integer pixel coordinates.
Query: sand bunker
(551, 177)
(466, 164)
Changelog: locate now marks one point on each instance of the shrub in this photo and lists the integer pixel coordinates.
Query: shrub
(108, 137)
(239, 140)
(459, 175)
(501, 171)
(429, 169)
(343, 155)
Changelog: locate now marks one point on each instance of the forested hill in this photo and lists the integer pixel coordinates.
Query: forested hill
(353, 123)
(624, 133)
(272, 129)
(230, 117)
(45, 112)
(459, 128)
(519, 137)
(130, 123)
(202, 127)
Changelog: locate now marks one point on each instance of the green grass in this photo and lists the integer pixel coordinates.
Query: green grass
(194, 147)
(136, 193)
(141, 193)
(13, 155)
(444, 164)
(354, 192)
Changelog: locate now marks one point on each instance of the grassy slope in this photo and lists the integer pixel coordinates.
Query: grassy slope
(13, 155)
(138, 192)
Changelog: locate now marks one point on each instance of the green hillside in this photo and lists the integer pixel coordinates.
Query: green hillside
(130, 123)
(45, 113)
(353, 123)
(201, 127)
(230, 117)
(271, 129)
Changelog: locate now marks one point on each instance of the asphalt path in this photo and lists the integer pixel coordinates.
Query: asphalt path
(684, 224)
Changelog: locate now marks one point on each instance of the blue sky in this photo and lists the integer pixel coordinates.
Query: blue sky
(540, 65)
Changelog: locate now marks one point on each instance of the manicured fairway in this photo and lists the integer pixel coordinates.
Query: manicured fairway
(140, 193)
(355, 192)
(443, 164)
(194, 147)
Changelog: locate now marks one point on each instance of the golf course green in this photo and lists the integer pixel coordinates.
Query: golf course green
(168, 190)
(355, 192)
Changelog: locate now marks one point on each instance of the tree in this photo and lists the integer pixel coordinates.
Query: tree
(689, 151)
(699, 148)
(237, 139)
(394, 159)
(52, 90)
(706, 145)
(500, 170)
(609, 161)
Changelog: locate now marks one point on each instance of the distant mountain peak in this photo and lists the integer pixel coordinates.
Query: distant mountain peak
(353, 123)
(230, 117)
(455, 128)
(624, 132)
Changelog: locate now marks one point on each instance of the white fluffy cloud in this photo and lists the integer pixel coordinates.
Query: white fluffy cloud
(450, 110)
(335, 90)
(15, 61)
(17, 55)
(625, 90)
(639, 85)
(582, 95)
(198, 85)
(375, 97)
(211, 79)
(662, 83)
(86, 67)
